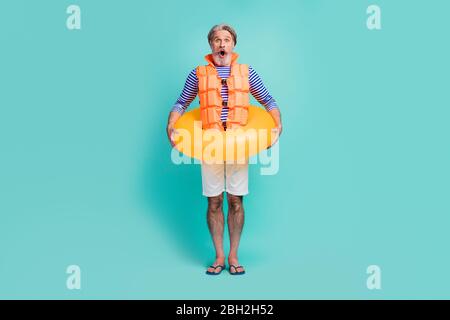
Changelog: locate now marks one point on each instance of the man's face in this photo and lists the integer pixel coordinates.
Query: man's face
(222, 46)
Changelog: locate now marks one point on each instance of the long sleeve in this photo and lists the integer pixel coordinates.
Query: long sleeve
(259, 91)
(188, 94)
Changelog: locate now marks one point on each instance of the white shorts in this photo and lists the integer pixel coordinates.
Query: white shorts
(217, 178)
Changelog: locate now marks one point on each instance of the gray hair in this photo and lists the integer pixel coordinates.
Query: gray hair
(222, 26)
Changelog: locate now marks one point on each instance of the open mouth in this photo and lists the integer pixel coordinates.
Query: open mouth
(222, 53)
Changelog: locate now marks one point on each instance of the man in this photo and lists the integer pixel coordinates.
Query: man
(221, 109)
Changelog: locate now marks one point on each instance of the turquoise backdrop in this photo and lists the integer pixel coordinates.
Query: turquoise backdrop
(85, 171)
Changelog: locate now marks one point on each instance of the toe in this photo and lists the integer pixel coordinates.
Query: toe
(217, 269)
(237, 269)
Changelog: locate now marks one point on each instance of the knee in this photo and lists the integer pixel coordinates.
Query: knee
(215, 203)
(235, 203)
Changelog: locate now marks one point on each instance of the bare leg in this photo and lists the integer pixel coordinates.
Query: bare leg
(216, 225)
(235, 225)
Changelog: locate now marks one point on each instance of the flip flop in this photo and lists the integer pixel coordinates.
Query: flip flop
(236, 273)
(214, 273)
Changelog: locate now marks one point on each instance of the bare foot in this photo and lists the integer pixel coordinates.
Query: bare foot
(234, 266)
(217, 265)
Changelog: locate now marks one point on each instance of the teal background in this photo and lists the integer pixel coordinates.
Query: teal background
(86, 176)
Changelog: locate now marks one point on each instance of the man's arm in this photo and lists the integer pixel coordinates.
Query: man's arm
(276, 115)
(261, 94)
(188, 94)
(173, 117)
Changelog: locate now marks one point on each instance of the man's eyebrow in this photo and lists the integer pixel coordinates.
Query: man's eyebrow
(226, 37)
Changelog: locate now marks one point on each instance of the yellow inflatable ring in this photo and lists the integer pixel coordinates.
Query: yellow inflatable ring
(215, 145)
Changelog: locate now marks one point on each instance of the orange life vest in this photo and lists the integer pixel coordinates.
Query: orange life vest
(211, 104)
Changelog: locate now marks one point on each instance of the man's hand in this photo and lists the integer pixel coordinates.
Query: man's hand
(170, 130)
(279, 128)
(276, 115)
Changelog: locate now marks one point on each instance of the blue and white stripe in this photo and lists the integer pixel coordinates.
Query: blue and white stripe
(257, 89)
